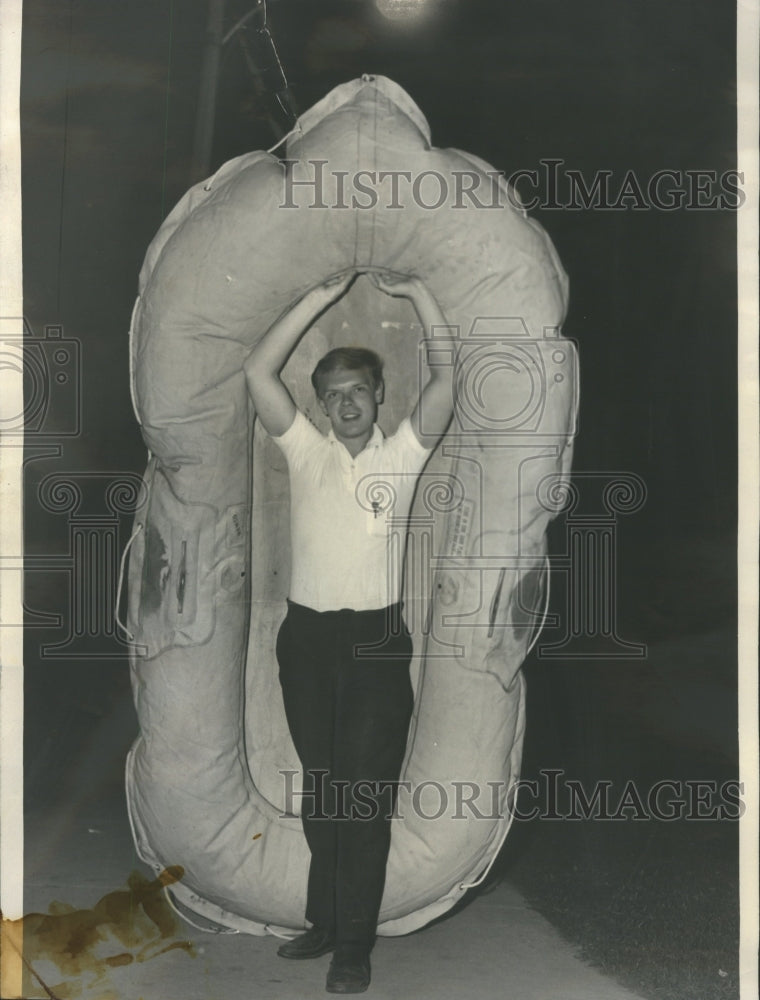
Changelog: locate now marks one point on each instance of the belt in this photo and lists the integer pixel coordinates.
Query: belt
(302, 609)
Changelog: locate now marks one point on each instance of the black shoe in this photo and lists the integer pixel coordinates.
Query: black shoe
(348, 973)
(312, 944)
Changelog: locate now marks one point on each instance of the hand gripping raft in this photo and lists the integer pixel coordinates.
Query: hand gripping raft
(213, 779)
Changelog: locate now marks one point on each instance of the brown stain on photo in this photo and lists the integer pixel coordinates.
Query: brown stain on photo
(126, 926)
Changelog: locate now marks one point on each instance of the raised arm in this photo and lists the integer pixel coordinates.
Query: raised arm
(274, 405)
(432, 413)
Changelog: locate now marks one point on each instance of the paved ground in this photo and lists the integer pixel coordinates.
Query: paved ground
(496, 947)
(79, 852)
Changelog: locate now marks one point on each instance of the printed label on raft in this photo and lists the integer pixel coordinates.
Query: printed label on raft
(236, 522)
(460, 532)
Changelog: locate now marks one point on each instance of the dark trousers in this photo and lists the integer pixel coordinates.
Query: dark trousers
(348, 709)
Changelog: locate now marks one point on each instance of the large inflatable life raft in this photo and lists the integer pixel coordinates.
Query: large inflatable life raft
(213, 778)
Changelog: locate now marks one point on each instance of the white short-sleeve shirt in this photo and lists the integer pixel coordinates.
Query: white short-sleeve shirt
(348, 515)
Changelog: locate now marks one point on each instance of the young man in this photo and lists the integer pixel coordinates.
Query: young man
(344, 649)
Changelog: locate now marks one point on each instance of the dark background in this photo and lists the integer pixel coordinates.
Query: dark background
(109, 98)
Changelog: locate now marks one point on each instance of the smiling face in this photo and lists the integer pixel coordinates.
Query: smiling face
(350, 399)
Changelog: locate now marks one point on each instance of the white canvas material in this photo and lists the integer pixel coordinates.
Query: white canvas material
(213, 771)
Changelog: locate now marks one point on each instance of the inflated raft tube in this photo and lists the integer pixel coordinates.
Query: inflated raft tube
(213, 779)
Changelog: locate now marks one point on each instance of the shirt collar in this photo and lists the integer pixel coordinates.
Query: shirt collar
(375, 440)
